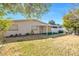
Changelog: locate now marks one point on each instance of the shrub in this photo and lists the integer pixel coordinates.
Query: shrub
(11, 35)
(20, 34)
(27, 34)
(50, 33)
(16, 35)
(60, 31)
(55, 33)
(4, 41)
(44, 33)
(20, 40)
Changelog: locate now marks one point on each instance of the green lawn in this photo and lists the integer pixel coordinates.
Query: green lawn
(65, 45)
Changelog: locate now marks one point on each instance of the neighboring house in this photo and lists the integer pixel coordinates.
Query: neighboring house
(56, 28)
(30, 26)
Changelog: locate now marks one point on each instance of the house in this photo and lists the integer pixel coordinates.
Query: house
(31, 26)
(56, 28)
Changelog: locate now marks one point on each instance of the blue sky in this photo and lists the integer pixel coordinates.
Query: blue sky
(56, 12)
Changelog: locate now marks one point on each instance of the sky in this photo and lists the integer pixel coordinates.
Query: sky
(56, 13)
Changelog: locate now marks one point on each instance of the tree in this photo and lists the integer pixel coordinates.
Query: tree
(4, 26)
(51, 22)
(71, 21)
(4, 23)
(29, 10)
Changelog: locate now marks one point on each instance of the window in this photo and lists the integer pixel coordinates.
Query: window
(14, 27)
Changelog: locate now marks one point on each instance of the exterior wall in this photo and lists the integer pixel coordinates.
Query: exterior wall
(25, 27)
(54, 30)
(57, 29)
(42, 29)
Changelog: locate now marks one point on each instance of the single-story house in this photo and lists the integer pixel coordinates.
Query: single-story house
(30, 26)
(56, 28)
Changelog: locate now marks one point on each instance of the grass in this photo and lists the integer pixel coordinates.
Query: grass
(60, 46)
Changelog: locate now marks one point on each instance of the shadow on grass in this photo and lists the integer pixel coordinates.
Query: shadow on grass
(31, 38)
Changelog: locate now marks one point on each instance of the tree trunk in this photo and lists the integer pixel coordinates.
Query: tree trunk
(78, 30)
(1, 37)
(74, 30)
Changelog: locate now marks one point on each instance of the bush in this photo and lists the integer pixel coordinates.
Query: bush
(55, 33)
(60, 31)
(20, 34)
(44, 33)
(50, 33)
(27, 34)
(4, 41)
(11, 35)
(20, 40)
(16, 35)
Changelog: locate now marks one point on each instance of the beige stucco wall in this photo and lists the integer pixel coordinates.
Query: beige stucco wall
(25, 27)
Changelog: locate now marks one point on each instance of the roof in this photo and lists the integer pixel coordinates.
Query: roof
(23, 20)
